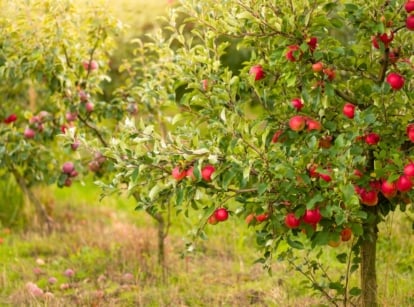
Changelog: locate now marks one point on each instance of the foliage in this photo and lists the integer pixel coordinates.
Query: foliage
(43, 47)
(194, 111)
(303, 135)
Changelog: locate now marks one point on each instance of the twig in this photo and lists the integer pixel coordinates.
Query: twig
(94, 129)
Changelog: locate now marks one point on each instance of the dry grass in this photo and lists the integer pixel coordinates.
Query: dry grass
(112, 250)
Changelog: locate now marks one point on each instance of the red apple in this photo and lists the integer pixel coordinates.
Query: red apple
(317, 67)
(10, 119)
(291, 221)
(312, 43)
(358, 173)
(325, 176)
(276, 136)
(90, 65)
(410, 132)
(330, 73)
(29, 133)
(313, 124)
(94, 166)
(250, 218)
(71, 116)
(207, 171)
(178, 174)
(313, 173)
(221, 214)
(385, 39)
(393, 57)
(257, 72)
(190, 173)
(409, 169)
(204, 85)
(375, 185)
(68, 167)
(409, 23)
(349, 110)
(312, 216)
(404, 183)
(368, 198)
(297, 123)
(68, 182)
(409, 6)
(292, 51)
(297, 104)
(83, 96)
(388, 189)
(75, 145)
(396, 81)
(346, 234)
(212, 220)
(89, 106)
(372, 138)
(262, 217)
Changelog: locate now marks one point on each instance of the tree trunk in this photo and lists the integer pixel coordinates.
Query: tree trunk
(41, 211)
(368, 259)
(162, 234)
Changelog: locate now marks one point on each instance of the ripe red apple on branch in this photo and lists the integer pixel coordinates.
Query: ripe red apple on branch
(312, 216)
(291, 221)
(349, 110)
(395, 80)
(297, 123)
(297, 103)
(409, 6)
(293, 53)
(257, 72)
(317, 67)
(221, 214)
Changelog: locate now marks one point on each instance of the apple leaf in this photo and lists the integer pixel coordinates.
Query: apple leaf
(342, 257)
(355, 291)
(294, 243)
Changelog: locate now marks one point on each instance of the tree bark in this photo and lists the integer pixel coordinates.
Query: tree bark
(368, 261)
(162, 234)
(41, 211)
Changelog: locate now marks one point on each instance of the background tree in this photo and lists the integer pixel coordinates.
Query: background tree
(53, 56)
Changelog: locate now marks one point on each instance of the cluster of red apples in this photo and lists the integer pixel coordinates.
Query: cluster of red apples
(69, 172)
(312, 217)
(389, 189)
(220, 214)
(368, 196)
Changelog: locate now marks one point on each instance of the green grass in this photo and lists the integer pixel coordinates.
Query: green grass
(103, 241)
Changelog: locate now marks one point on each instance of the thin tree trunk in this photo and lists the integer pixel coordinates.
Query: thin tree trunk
(162, 234)
(33, 199)
(368, 262)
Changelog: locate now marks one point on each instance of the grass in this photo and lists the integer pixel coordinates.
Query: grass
(112, 250)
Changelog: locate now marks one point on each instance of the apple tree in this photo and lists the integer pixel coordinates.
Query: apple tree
(310, 142)
(50, 58)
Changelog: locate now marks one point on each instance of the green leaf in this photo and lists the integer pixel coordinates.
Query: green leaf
(294, 244)
(179, 196)
(261, 188)
(316, 199)
(357, 229)
(355, 291)
(342, 257)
